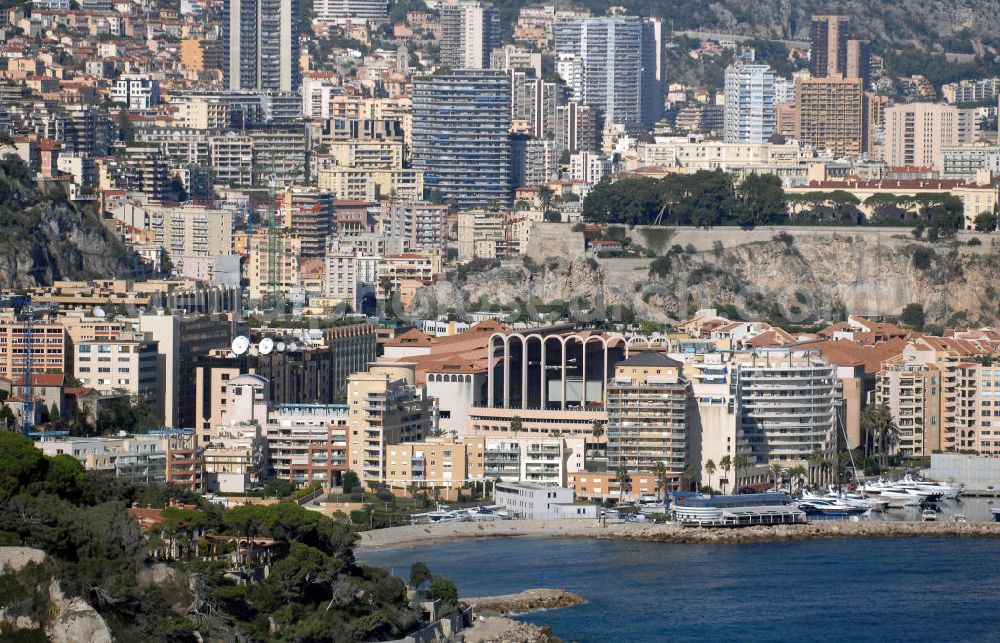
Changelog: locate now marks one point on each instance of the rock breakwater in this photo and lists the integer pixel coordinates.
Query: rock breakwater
(530, 600)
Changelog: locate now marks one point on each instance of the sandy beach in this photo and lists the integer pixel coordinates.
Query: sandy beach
(413, 535)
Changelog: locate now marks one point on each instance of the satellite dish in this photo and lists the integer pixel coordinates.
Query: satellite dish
(240, 345)
(266, 346)
(280, 346)
(231, 355)
(304, 337)
(293, 347)
(99, 312)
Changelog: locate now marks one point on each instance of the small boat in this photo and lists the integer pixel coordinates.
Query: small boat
(928, 515)
(828, 507)
(996, 514)
(959, 518)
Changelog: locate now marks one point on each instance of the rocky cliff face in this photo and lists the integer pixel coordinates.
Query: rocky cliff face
(44, 237)
(810, 274)
(43, 606)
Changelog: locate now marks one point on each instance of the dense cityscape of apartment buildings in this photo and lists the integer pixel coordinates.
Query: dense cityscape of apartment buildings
(279, 176)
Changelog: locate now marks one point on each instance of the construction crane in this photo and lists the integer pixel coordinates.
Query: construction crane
(28, 311)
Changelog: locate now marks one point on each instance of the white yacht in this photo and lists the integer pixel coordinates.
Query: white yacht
(901, 498)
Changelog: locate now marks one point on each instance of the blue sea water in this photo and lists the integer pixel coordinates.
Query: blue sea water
(902, 589)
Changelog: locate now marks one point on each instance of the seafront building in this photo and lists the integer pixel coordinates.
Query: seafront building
(386, 407)
(647, 406)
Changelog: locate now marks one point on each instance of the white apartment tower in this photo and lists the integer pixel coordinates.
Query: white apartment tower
(261, 45)
(749, 108)
(469, 33)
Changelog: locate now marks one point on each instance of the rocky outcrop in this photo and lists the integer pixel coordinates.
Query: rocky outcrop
(14, 559)
(73, 619)
(46, 237)
(801, 274)
(64, 619)
(530, 600)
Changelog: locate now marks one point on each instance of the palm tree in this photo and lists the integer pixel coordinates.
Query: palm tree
(690, 474)
(796, 474)
(597, 429)
(740, 463)
(660, 474)
(726, 463)
(710, 470)
(777, 472)
(516, 424)
(624, 482)
(880, 430)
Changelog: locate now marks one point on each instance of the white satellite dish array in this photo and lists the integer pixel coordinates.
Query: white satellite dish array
(267, 345)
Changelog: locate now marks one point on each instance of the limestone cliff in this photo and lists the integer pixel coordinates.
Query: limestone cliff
(802, 274)
(36, 601)
(44, 237)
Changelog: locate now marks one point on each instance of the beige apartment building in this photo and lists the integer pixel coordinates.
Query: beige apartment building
(647, 404)
(912, 392)
(451, 463)
(273, 264)
(966, 393)
(917, 133)
(482, 235)
(125, 364)
(831, 114)
(406, 273)
(372, 184)
(386, 407)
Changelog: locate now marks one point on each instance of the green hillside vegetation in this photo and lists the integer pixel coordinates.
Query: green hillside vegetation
(316, 591)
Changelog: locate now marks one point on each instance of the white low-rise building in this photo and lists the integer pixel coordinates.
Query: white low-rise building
(529, 501)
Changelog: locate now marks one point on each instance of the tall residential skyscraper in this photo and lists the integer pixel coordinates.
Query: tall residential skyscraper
(749, 110)
(832, 51)
(261, 45)
(621, 70)
(828, 45)
(461, 138)
(832, 115)
(470, 30)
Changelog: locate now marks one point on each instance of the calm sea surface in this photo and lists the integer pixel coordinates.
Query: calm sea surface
(926, 589)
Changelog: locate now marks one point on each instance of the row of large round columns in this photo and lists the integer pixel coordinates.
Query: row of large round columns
(506, 341)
